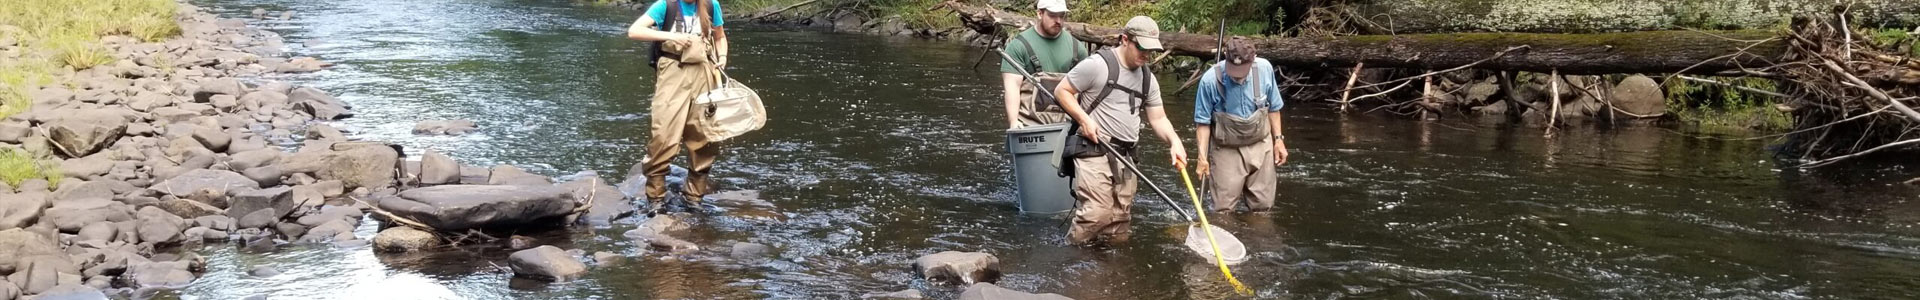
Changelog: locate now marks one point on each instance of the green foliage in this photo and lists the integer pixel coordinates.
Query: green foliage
(66, 34)
(1723, 109)
(18, 165)
(1895, 40)
(1243, 16)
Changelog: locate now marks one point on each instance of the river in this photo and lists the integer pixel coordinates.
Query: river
(882, 149)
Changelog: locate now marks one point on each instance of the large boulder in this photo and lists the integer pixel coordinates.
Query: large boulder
(254, 158)
(169, 274)
(70, 216)
(958, 267)
(79, 138)
(220, 181)
(73, 292)
(318, 104)
(438, 169)
(40, 273)
(607, 203)
(358, 164)
(22, 243)
(21, 210)
(511, 175)
(1640, 95)
(403, 239)
(988, 291)
(546, 262)
(279, 199)
(460, 207)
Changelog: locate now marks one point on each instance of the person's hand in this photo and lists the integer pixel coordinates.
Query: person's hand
(720, 63)
(1179, 155)
(1013, 124)
(1279, 152)
(1202, 168)
(1091, 131)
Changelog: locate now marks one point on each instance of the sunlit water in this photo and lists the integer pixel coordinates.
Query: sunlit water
(884, 149)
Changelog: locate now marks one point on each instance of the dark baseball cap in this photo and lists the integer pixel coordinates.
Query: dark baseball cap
(1239, 56)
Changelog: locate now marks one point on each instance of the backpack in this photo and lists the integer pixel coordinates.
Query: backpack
(1080, 147)
(673, 11)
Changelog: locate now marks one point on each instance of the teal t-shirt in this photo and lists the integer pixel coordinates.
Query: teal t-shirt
(1056, 55)
(688, 15)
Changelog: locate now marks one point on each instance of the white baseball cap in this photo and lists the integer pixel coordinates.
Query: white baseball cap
(1058, 6)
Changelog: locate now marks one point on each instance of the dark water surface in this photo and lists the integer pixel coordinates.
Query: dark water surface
(883, 149)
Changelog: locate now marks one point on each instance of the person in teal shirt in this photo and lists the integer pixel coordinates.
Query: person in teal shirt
(1237, 109)
(692, 48)
(1045, 50)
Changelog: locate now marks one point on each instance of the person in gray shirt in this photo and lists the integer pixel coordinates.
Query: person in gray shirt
(1122, 89)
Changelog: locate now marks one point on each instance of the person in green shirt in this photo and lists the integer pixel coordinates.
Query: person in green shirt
(1047, 51)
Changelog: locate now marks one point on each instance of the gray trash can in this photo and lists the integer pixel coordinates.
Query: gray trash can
(1037, 181)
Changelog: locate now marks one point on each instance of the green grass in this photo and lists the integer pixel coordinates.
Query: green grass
(18, 165)
(65, 34)
(1715, 108)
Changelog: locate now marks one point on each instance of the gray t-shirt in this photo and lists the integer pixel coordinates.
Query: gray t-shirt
(1116, 114)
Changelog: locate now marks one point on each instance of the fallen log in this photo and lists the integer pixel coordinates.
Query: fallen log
(1695, 52)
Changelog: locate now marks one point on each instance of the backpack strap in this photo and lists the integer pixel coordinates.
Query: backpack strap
(1113, 83)
(1253, 79)
(1033, 58)
(673, 13)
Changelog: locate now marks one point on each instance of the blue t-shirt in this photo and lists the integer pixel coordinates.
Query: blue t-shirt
(688, 16)
(1239, 98)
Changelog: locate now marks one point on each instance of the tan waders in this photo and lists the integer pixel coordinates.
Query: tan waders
(672, 121)
(1245, 172)
(1105, 192)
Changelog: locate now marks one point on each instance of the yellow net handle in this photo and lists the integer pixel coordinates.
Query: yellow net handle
(1217, 258)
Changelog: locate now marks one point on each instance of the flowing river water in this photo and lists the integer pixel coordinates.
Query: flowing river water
(882, 149)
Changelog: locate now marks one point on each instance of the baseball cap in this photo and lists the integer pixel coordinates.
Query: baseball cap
(1058, 6)
(1145, 32)
(1239, 56)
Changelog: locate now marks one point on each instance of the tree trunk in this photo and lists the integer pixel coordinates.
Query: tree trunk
(1697, 52)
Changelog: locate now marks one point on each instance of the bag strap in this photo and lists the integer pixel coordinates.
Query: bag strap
(1113, 83)
(672, 17)
(1033, 58)
(1253, 79)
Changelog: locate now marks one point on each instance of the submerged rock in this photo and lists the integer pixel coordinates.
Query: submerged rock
(461, 207)
(547, 263)
(403, 239)
(988, 291)
(904, 294)
(958, 267)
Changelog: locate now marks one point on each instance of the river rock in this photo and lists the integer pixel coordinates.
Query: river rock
(656, 233)
(958, 267)
(290, 230)
(403, 239)
(318, 104)
(444, 127)
(326, 232)
(749, 251)
(189, 208)
(547, 263)
(216, 222)
(517, 242)
(256, 158)
(70, 216)
(99, 231)
(358, 164)
(438, 169)
(904, 294)
(212, 138)
(75, 138)
(1640, 95)
(324, 132)
(21, 210)
(9, 292)
(460, 207)
(22, 243)
(266, 176)
(988, 291)
(263, 271)
(159, 226)
(14, 131)
(195, 180)
(264, 98)
(302, 65)
(258, 219)
(72, 292)
(607, 203)
(511, 175)
(71, 190)
(39, 273)
(219, 86)
(87, 167)
(168, 274)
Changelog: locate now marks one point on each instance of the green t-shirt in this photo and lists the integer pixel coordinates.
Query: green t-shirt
(1056, 55)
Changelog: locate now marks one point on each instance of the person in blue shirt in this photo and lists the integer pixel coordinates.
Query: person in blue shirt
(1237, 108)
(690, 47)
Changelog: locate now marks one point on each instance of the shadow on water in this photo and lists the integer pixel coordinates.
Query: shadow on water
(884, 149)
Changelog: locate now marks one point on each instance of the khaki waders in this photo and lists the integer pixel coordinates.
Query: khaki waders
(1104, 194)
(673, 124)
(1245, 172)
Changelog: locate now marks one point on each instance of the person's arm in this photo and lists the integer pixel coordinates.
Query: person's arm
(1203, 102)
(1157, 116)
(1066, 91)
(646, 30)
(1010, 86)
(719, 35)
(1272, 88)
(1279, 142)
